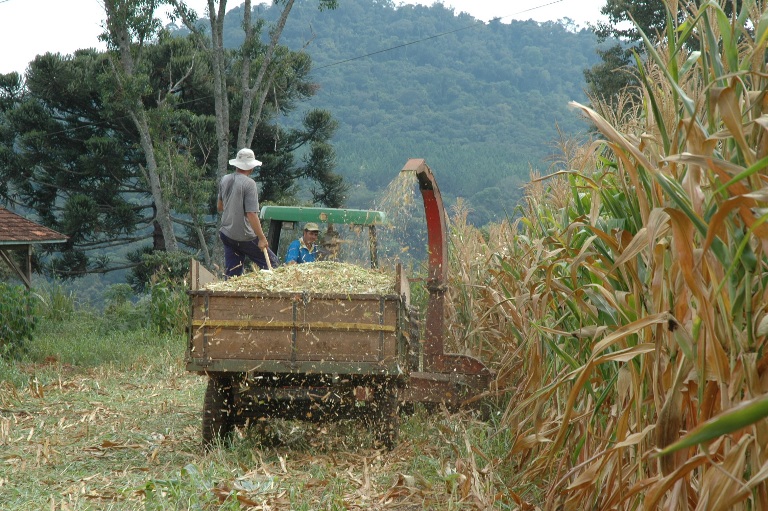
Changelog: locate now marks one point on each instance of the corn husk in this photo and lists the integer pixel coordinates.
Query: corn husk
(319, 277)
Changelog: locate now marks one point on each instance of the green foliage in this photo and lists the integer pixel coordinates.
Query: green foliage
(18, 319)
(120, 313)
(611, 78)
(94, 186)
(152, 266)
(11, 375)
(169, 307)
(627, 18)
(614, 76)
(56, 302)
(120, 335)
(163, 275)
(117, 295)
(481, 103)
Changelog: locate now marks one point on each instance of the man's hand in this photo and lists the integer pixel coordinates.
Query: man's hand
(263, 243)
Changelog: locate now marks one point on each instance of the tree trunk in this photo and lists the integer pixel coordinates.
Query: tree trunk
(117, 22)
(158, 241)
(163, 217)
(248, 121)
(220, 97)
(244, 133)
(219, 66)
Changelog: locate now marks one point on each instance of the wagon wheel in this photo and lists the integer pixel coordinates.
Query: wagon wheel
(385, 416)
(218, 409)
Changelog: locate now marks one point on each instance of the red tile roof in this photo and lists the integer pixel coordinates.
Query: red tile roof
(17, 230)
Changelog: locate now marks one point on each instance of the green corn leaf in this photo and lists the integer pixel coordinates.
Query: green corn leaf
(686, 30)
(762, 30)
(685, 26)
(673, 49)
(572, 362)
(747, 256)
(713, 44)
(689, 63)
(738, 417)
(752, 169)
(729, 44)
(654, 105)
(688, 103)
(746, 6)
(678, 196)
(685, 342)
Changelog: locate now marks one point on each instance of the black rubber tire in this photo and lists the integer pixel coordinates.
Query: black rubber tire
(218, 410)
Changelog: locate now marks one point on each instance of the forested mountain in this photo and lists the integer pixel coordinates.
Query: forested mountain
(481, 102)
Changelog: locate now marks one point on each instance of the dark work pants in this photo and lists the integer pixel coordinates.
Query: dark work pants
(235, 253)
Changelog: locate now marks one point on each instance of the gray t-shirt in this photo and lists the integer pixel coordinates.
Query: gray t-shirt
(240, 196)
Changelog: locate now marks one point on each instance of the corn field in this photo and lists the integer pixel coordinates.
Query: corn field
(625, 310)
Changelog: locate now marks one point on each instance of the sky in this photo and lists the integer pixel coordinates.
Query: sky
(32, 27)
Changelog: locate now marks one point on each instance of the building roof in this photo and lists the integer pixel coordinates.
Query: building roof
(17, 230)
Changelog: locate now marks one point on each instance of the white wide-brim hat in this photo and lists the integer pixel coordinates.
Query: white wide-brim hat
(245, 160)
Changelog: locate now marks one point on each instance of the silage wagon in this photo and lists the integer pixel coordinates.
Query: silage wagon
(331, 355)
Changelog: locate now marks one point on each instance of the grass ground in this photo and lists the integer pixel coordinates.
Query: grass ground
(126, 435)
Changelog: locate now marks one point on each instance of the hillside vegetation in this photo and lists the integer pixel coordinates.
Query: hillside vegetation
(481, 102)
(357, 92)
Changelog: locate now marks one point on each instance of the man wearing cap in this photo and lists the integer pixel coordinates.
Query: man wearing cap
(304, 249)
(241, 230)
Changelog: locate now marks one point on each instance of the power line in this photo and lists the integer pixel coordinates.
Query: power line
(473, 25)
(377, 52)
(531, 9)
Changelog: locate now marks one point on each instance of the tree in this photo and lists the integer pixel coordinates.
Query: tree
(262, 70)
(252, 54)
(130, 25)
(71, 152)
(614, 75)
(626, 16)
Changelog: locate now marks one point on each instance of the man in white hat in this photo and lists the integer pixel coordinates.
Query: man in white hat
(304, 249)
(241, 230)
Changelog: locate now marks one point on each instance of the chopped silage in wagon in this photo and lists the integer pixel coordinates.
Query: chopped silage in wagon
(318, 277)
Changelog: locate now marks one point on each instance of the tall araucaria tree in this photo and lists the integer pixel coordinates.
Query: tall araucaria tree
(72, 152)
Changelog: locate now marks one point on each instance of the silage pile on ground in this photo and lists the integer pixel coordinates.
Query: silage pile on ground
(317, 277)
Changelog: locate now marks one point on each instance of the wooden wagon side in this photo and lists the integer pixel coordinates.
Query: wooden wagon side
(295, 332)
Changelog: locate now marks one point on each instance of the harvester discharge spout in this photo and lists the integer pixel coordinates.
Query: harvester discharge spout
(443, 377)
